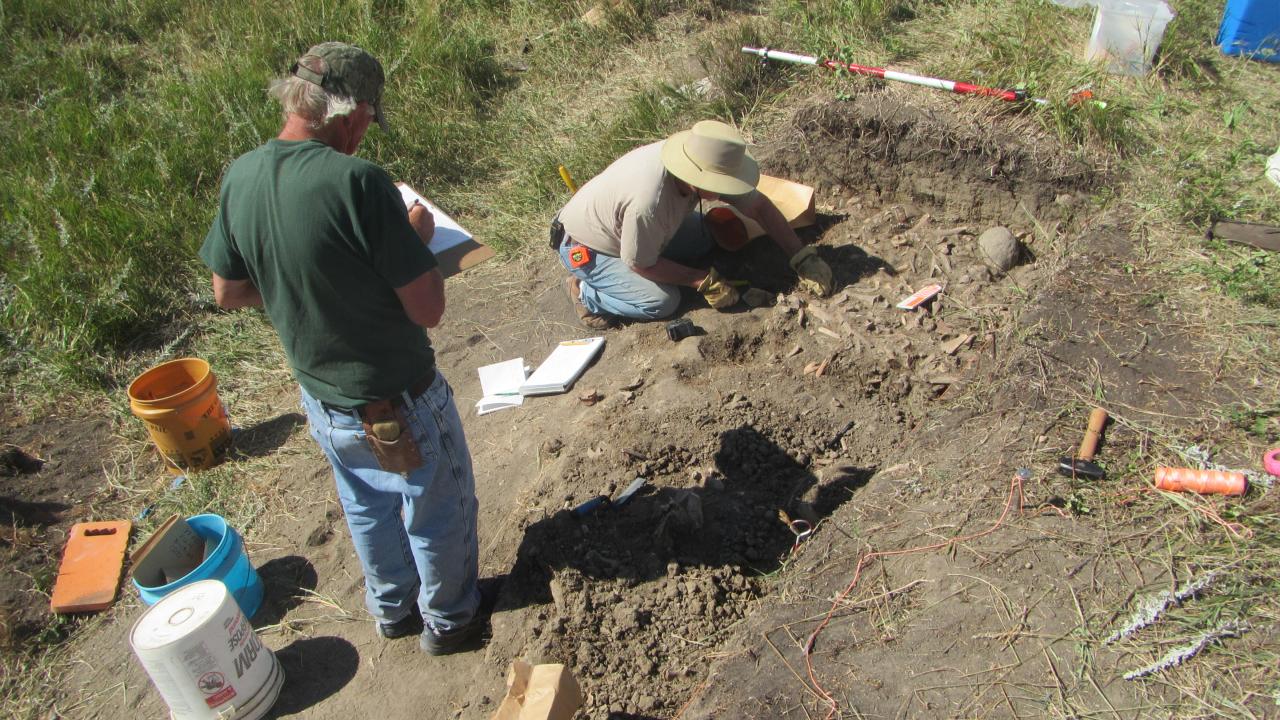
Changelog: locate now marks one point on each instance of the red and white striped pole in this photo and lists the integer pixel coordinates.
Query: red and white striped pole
(962, 88)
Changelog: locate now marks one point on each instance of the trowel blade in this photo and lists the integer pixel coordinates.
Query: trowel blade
(631, 490)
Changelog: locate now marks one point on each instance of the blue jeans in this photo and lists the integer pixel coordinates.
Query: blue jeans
(611, 287)
(415, 534)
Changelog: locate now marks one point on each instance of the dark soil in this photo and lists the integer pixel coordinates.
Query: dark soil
(51, 473)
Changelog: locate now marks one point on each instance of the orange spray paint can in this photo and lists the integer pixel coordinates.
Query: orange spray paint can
(1205, 482)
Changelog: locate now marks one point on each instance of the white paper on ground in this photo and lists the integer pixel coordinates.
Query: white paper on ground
(500, 383)
(562, 367)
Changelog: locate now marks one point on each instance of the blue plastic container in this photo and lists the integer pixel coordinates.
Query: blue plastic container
(1251, 27)
(228, 563)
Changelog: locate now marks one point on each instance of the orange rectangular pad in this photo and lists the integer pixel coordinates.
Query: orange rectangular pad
(89, 576)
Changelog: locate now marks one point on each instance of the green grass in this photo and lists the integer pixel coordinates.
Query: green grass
(126, 114)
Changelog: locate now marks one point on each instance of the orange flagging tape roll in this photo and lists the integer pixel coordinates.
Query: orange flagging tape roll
(1205, 482)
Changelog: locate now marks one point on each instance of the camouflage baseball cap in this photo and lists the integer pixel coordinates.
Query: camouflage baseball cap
(344, 70)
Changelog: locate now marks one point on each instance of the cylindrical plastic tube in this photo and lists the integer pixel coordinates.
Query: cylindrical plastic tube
(1205, 482)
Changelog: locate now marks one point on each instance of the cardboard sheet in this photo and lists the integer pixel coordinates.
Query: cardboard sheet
(1265, 237)
(172, 551)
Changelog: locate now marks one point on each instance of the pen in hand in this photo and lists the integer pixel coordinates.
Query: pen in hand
(425, 222)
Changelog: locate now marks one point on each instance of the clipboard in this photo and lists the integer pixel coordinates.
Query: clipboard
(454, 247)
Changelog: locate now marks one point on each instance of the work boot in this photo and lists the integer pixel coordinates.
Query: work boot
(589, 320)
(446, 642)
(467, 637)
(410, 624)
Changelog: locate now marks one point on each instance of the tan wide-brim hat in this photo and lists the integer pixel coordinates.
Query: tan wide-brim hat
(713, 157)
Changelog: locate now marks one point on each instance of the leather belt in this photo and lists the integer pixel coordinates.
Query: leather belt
(571, 243)
(383, 408)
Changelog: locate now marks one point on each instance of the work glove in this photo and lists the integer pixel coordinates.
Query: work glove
(814, 272)
(718, 292)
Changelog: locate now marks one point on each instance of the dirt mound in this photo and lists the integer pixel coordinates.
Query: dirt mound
(894, 146)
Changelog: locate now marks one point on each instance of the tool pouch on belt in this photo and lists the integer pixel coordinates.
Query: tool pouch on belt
(557, 234)
(387, 431)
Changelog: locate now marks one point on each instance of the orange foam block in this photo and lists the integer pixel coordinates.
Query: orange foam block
(89, 576)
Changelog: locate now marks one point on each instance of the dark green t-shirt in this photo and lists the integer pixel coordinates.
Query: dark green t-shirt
(326, 239)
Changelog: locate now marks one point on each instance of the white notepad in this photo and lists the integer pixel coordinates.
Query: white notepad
(455, 249)
(500, 383)
(562, 367)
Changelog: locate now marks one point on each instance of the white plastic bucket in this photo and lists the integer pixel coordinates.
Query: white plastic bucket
(1126, 34)
(204, 657)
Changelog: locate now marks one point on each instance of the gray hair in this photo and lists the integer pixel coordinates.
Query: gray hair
(308, 100)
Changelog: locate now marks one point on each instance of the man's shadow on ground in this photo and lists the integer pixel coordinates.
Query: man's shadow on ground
(314, 668)
(733, 520)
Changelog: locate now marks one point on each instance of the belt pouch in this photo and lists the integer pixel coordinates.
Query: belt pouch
(557, 234)
(387, 431)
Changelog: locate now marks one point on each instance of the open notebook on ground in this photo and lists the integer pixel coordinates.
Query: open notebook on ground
(500, 383)
(562, 367)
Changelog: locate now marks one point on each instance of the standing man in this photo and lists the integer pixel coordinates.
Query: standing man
(627, 236)
(321, 239)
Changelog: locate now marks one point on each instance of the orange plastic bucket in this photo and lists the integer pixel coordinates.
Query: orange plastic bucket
(178, 402)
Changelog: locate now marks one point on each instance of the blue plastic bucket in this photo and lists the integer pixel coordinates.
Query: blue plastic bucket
(228, 563)
(1252, 28)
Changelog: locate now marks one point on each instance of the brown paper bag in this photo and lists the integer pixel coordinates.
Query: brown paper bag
(793, 200)
(539, 692)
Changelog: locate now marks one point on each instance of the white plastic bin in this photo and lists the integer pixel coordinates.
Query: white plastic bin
(1126, 34)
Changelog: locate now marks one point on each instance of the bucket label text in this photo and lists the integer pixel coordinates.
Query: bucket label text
(247, 655)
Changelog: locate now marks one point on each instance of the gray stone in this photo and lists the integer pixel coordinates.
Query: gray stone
(1000, 247)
